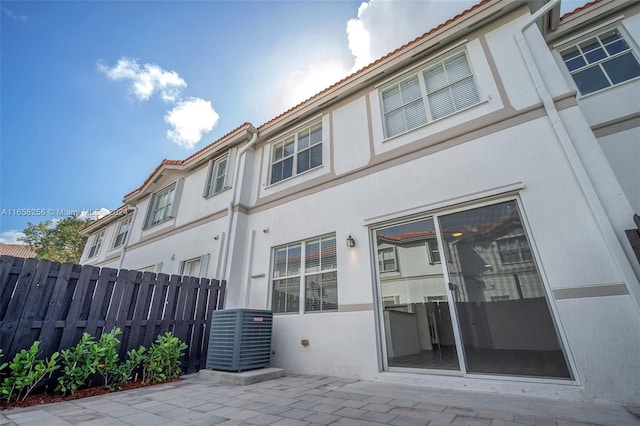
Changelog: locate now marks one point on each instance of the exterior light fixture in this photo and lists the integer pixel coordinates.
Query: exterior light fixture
(350, 241)
(457, 234)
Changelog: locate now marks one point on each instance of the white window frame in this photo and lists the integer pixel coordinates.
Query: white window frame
(96, 244)
(301, 274)
(167, 209)
(519, 239)
(214, 176)
(297, 151)
(202, 263)
(431, 248)
(119, 232)
(426, 95)
(381, 263)
(596, 36)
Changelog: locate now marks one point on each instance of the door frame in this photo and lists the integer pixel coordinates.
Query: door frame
(394, 220)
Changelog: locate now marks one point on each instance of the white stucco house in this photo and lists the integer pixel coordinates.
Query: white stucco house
(452, 215)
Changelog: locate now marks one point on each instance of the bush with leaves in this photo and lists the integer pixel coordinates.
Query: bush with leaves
(26, 371)
(162, 360)
(4, 364)
(113, 372)
(78, 364)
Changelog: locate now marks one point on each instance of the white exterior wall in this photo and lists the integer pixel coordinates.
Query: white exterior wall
(367, 180)
(567, 242)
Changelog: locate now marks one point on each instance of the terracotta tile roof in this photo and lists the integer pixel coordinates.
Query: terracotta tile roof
(580, 9)
(17, 250)
(119, 212)
(333, 86)
(166, 162)
(382, 59)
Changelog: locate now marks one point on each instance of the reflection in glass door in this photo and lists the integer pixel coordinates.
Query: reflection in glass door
(417, 321)
(487, 275)
(504, 319)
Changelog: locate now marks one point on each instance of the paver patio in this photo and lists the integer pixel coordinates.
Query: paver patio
(307, 400)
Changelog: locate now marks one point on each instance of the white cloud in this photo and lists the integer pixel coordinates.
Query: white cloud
(190, 120)
(380, 27)
(13, 15)
(311, 79)
(145, 79)
(11, 236)
(384, 25)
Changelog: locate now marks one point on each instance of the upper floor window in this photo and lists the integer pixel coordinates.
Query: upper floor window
(217, 178)
(96, 243)
(438, 90)
(434, 251)
(161, 205)
(122, 231)
(306, 270)
(387, 259)
(601, 61)
(513, 250)
(296, 153)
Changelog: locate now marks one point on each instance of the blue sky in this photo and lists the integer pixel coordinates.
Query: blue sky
(95, 94)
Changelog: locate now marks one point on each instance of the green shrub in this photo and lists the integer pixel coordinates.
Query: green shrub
(113, 372)
(108, 359)
(2, 365)
(26, 371)
(162, 360)
(78, 363)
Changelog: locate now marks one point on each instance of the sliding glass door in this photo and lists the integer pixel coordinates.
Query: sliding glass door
(417, 320)
(468, 277)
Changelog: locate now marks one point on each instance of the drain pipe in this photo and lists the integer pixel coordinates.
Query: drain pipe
(126, 243)
(236, 192)
(586, 185)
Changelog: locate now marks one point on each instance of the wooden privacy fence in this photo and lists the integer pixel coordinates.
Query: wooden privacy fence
(55, 303)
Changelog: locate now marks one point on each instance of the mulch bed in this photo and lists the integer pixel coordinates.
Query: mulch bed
(49, 398)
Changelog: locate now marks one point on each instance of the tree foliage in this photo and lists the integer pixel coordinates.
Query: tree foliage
(58, 241)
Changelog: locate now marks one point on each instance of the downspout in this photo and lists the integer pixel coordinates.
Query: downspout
(586, 185)
(236, 193)
(126, 243)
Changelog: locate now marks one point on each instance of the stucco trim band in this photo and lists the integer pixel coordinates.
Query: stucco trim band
(591, 291)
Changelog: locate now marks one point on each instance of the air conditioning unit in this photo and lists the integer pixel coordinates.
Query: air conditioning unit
(240, 339)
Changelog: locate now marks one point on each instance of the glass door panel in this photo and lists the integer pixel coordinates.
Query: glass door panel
(417, 321)
(505, 323)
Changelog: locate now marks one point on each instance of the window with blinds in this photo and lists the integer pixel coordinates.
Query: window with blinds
(306, 270)
(296, 153)
(438, 90)
(602, 61)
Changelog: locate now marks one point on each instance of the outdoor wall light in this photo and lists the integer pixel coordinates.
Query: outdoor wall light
(350, 241)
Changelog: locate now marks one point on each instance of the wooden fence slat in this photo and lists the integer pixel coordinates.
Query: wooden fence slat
(116, 299)
(140, 313)
(168, 318)
(128, 297)
(157, 305)
(55, 303)
(70, 334)
(195, 360)
(7, 264)
(16, 306)
(37, 287)
(107, 275)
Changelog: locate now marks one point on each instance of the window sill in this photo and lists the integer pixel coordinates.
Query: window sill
(387, 139)
(293, 177)
(148, 227)
(225, 189)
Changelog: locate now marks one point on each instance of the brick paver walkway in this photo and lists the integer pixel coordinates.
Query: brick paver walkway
(303, 400)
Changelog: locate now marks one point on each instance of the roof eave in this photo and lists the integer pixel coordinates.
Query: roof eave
(456, 28)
